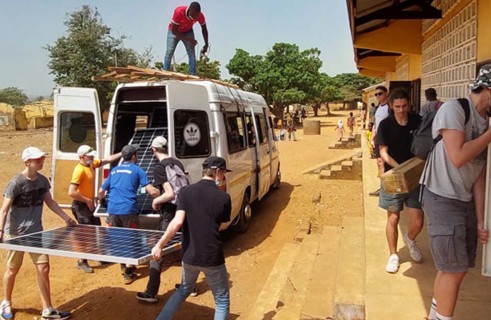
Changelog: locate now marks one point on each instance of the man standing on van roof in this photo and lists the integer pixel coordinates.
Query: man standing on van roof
(167, 211)
(181, 29)
(201, 208)
(82, 190)
(123, 183)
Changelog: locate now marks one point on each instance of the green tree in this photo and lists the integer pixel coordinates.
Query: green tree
(326, 90)
(205, 68)
(87, 50)
(284, 76)
(13, 96)
(352, 84)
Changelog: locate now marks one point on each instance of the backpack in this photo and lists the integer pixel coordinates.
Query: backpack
(177, 179)
(423, 141)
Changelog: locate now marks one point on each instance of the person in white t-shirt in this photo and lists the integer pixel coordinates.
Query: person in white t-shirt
(382, 96)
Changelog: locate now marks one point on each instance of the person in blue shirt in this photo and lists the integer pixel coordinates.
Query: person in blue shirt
(123, 184)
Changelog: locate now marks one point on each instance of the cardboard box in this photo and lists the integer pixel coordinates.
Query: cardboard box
(404, 178)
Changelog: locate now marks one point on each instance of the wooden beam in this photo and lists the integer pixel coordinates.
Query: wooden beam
(398, 11)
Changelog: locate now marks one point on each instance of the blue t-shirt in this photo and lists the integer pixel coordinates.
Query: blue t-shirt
(123, 183)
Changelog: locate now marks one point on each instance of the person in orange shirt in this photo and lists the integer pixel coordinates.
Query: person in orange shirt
(82, 190)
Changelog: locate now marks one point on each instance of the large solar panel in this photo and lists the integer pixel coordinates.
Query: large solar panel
(118, 245)
(147, 161)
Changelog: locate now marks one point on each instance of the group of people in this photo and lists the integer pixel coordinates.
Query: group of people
(198, 211)
(451, 193)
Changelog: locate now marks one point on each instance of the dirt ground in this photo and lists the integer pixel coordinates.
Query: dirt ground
(249, 257)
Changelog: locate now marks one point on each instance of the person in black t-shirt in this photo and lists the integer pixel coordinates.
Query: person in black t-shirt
(201, 209)
(167, 211)
(394, 137)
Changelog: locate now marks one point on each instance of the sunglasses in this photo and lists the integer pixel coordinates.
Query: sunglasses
(378, 94)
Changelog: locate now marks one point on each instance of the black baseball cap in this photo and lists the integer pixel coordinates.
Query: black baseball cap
(129, 150)
(215, 163)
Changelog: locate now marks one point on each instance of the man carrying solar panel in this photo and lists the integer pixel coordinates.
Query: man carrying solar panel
(201, 209)
(20, 214)
(123, 184)
(82, 190)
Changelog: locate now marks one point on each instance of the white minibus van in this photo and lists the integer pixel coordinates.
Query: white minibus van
(198, 118)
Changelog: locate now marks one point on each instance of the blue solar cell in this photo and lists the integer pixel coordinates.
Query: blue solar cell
(119, 245)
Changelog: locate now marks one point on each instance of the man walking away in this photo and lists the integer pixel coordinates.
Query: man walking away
(21, 214)
(123, 184)
(82, 190)
(181, 29)
(201, 209)
(167, 211)
(432, 103)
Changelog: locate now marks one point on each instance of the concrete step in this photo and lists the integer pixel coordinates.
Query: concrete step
(319, 303)
(348, 164)
(296, 288)
(350, 280)
(267, 300)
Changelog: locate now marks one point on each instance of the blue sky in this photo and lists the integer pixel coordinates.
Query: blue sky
(252, 25)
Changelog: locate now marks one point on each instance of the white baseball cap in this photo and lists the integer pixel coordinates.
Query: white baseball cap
(159, 142)
(32, 153)
(85, 150)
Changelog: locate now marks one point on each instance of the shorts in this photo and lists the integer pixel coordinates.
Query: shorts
(376, 150)
(15, 258)
(83, 215)
(452, 228)
(123, 221)
(396, 202)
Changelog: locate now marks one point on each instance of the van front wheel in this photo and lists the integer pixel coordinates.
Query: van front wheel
(245, 215)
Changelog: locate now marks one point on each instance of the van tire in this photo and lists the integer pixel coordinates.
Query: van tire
(277, 180)
(245, 215)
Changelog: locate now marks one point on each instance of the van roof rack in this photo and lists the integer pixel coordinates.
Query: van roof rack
(134, 74)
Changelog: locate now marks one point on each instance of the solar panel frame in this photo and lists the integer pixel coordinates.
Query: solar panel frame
(99, 243)
(147, 161)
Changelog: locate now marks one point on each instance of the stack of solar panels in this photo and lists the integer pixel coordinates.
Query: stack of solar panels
(147, 161)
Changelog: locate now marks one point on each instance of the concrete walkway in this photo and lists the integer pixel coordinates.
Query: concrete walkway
(407, 294)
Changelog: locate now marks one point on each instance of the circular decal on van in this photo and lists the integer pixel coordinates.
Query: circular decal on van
(192, 135)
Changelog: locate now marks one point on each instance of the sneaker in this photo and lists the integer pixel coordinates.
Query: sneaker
(144, 296)
(192, 294)
(414, 251)
(55, 314)
(84, 266)
(6, 311)
(375, 193)
(129, 278)
(392, 264)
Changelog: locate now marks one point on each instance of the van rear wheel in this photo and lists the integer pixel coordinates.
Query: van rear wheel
(277, 180)
(245, 215)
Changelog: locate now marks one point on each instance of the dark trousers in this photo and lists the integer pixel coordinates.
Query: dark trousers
(83, 215)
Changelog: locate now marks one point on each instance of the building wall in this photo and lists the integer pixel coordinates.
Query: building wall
(483, 30)
(449, 52)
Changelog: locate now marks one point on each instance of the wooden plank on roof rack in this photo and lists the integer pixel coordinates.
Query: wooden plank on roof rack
(133, 73)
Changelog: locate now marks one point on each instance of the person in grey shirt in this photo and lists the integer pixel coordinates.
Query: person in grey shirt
(20, 214)
(432, 103)
(454, 191)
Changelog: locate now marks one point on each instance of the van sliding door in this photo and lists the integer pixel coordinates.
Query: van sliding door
(263, 154)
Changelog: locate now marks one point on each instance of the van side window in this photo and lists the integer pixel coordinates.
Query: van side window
(234, 124)
(250, 131)
(192, 134)
(76, 128)
(262, 128)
